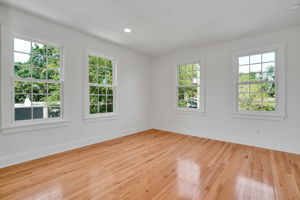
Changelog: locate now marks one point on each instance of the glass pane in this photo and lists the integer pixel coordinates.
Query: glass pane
(244, 69)
(39, 61)
(93, 109)
(54, 88)
(92, 70)
(92, 60)
(53, 52)
(110, 108)
(39, 88)
(102, 90)
(53, 99)
(189, 67)
(93, 99)
(182, 68)
(22, 45)
(101, 62)
(39, 100)
(23, 107)
(22, 59)
(269, 88)
(102, 80)
(268, 76)
(182, 77)
(94, 90)
(268, 96)
(92, 79)
(108, 72)
(244, 96)
(244, 88)
(54, 111)
(268, 106)
(109, 99)
(269, 57)
(181, 100)
(255, 59)
(192, 96)
(109, 63)
(101, 71)
(243, 77)
(53, 74)
(22, 72)
(110, 90)
(255, 88)
(39, 73)
(244, 60)
(255, 68)
(109, 80)
(102, 108)
(196, 67)
(38, 48)
(102, 99)
(23, 87)
(255, 76)
(269, 67)
(53, 63)
(244, 105)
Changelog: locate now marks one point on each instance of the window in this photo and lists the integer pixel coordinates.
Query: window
(189, 87)
(257, 87)
(37, 80)
(102, 85)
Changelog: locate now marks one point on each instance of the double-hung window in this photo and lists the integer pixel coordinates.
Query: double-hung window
(259, 82)
(101, 86)
(37, 80)
(189, 87)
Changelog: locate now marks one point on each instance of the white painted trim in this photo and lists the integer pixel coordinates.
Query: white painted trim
(226, 138)
(27, 156)
(281, 67)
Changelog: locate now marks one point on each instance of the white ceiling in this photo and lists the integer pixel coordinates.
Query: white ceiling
(165, 26)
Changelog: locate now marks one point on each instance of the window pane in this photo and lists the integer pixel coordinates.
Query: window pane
(93, 99)
(110, 107)
(101, 71)
(54, 88)
(39, 88)
(93, 109)
(22, 72)
(268, 76)
(53, 75)
(39, 61)
(243, 77)
(39, 73)
(181, 101)
(102, 80)
(244, 105)
(269, 57)
(108, 72)
(94, 90)
(244, 88)
(92, 79)
(269, 88)
(92, 60)
(182, 68)
(255, 87)
(23, 110)
(39, 100)
(22, 59)
(255, 76)
(101, 62)
(196, 67)
(268, 106)
(22, 45)
(255, 59)
(54, 111)
(269, 67)
(92, 70)
(255, 68)
(53, 100)
(38, 49)
(102, 90)
(244, 69)
(102, 108)
(244, 96)
(53, 52)
(192, 95)
(23, 87)
(109, 99)
(244, 60)
(53, 63)
(189, 67)
(102, 99)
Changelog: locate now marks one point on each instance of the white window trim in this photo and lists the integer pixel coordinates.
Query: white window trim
(100, 116)
(280, 69)
(194, 111)
(8, 124)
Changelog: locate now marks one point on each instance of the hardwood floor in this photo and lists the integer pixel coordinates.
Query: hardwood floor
(156, 165)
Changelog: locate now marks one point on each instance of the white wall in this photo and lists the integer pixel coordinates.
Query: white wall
(134, 87)
(218, 122)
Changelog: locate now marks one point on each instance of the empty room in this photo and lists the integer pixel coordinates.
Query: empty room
(149, 100)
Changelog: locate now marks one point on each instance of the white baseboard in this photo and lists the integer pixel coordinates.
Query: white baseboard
(27, 156)
(226, 138)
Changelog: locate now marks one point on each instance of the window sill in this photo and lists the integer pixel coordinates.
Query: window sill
(25, 127)
(189, 111)
(104, 117)
(259, 116)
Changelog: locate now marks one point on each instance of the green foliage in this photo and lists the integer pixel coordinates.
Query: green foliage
(101, 99)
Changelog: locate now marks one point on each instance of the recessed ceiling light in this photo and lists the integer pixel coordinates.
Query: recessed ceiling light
(127, 30)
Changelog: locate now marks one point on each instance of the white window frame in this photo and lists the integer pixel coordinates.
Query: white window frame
(9, 125)
(100, 116)
(201, 110)
(279, 113)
